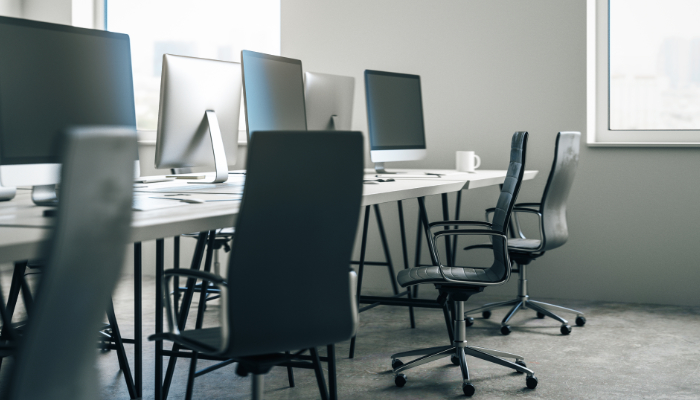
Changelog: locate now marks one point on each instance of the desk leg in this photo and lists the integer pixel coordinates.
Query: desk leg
(426, 226)
(159, 317)
(176, 279)
(184, 309)
(138, 321)
(363, 248)
(385, 246)
(405, 259)
(446, 217)
(332, 373)
(454, 239)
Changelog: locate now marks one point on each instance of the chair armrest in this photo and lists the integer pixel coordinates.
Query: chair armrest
(466, 232)
(457, 223)
(479, 246)
(531, 205)
(192, 274)
(517, 209)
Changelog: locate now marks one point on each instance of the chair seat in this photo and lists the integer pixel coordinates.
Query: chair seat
(523, 244)
(413, 276)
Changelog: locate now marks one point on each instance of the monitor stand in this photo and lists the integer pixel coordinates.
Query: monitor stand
(379, 168)
(334, 122)
(44, 195)
(7, 193)
(217, 145)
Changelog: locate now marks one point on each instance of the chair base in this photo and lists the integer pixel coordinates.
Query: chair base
(458, 352)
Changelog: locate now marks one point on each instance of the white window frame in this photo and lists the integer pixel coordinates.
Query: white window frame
(598, 132)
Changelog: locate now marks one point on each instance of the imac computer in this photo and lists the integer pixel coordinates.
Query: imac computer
(329, 101)
(394, 117)
(200, 101)
(273, 91)
(52, 77)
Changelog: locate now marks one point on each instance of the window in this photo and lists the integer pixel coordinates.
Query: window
(643, 73)
(216, 29)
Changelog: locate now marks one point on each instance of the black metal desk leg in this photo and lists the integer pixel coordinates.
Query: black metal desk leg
(159, 317)
(385, 246)
(405, 259)
(332, 374)
(426, 226)
(138, 321)
(446, 217)
(363, 248)
(454, 239)
(176, 279)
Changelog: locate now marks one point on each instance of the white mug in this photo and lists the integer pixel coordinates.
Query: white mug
(467, 161)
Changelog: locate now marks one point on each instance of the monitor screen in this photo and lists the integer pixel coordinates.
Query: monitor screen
(273, 90)
(54, 76)
(394, 111)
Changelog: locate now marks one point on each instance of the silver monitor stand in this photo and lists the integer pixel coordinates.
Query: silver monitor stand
(379, 168)
(44, 195)
(7, 193)
(217, 146)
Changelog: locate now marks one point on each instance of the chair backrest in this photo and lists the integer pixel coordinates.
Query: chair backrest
(57, 354)
(561, 177)
(506, 200)
(288, 278)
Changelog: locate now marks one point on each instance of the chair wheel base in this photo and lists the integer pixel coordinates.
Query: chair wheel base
(505, 330)
(396, 363)
(540, 315)
(400, 380)
(468, 389)
(531, 382)
(565, 329)
(522, 364)
(469, 321)
(580, 320)
(454, 359)
(486, 314)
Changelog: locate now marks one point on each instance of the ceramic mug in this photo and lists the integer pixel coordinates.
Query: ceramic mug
(467, 161)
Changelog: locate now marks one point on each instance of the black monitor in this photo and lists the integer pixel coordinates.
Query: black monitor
(52, 77)
(395, 117)
(273, 91)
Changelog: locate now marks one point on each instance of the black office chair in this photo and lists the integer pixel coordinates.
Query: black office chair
(56, 355)
(297, 296)
(551, 212)
(457, 284)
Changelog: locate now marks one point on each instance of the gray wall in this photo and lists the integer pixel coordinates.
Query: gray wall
(489, 68)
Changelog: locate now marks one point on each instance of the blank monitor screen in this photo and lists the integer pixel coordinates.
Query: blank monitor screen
(53, 76)
(273, 90)
(394, 111)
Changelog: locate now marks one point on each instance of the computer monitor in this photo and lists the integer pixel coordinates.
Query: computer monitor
(52, 77)
(395, 117)
(328, 101)
(273, 91)
(200, 101)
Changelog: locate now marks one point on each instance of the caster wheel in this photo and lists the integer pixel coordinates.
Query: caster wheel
(454, 359)
(580, 320)
(396, 363)
(486, 314)
(469, 321)
(531, 382)
(540, 315)
(565, 329)
(468, 389)
(505, 330)
(522, 364)
(401, 379)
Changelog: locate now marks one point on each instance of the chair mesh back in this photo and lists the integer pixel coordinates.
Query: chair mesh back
(288, 271)
(506, 200)
(561, 178)
(57, 354)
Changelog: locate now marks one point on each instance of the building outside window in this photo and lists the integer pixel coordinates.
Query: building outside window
(215, 29)
(644, 72)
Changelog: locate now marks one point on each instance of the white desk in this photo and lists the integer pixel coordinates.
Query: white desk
(24, 230)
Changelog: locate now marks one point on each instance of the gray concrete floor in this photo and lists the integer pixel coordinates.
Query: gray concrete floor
(625, 351)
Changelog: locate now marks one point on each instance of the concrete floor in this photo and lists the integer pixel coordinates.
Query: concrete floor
(625, 351)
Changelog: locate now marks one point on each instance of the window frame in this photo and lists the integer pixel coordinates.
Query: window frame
(597, 102)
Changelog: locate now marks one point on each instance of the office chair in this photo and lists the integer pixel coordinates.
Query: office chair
(551, 211)
(56, 354)
(457, 284)
(297, 295)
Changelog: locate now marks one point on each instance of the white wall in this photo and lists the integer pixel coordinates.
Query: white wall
(11, 8)
(492, 67)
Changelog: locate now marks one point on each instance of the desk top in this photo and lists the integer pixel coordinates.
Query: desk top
(23, 227)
